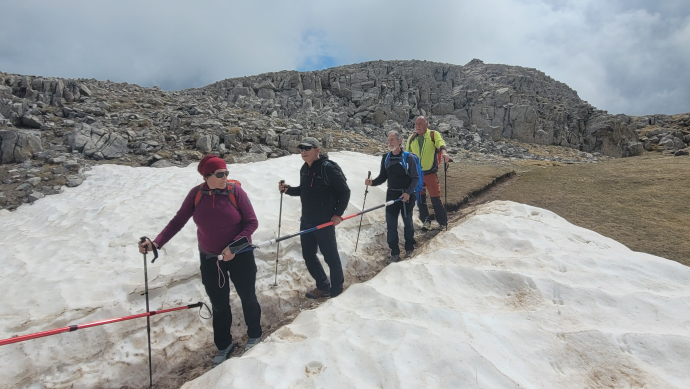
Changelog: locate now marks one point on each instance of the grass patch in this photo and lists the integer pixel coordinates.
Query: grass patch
(642, 202)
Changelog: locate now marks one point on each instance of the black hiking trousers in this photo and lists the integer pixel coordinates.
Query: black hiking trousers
(242, 273)
(392, 212)
(324, 239)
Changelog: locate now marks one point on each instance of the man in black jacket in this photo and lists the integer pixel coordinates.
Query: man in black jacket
(402, 177)
(324, 194)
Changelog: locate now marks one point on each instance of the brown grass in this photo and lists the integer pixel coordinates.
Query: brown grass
(642, 202)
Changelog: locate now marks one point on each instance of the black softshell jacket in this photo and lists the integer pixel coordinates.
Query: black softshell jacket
(320, 201)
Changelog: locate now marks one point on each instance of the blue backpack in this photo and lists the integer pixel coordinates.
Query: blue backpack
(403, 162)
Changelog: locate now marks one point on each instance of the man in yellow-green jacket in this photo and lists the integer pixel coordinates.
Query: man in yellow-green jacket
(427, 145)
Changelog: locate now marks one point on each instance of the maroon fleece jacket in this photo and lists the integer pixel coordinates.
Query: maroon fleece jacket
(217, 220)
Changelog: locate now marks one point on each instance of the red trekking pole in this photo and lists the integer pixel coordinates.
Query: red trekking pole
(72, 328)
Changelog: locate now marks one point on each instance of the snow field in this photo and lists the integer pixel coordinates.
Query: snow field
(514, 296)
(72, 258)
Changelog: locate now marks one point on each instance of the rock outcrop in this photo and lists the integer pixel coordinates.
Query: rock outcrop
(52, 129)
(501, 101)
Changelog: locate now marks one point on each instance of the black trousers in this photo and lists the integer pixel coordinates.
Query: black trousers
(439, 210)
(242, 273)
(392, 212)
(324, 239)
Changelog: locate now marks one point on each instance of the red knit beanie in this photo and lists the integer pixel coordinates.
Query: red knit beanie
(210, 164)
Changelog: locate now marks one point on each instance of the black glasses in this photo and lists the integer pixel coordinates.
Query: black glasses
(305, 148)
(219, 174)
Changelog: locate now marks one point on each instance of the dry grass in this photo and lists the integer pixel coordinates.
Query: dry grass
(642, 202)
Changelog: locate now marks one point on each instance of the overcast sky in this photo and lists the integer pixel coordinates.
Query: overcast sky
(623, 56)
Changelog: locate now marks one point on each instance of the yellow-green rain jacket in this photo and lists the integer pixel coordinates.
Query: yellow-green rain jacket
(427, 156)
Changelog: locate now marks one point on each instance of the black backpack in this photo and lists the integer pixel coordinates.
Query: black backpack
(324, 176)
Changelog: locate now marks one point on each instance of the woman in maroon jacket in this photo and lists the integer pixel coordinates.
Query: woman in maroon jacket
(220, 222)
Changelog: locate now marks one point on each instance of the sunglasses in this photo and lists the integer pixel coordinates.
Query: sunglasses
(219, 174)
(305, 148)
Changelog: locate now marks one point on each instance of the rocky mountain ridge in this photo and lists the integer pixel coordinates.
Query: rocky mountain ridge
(52, 128)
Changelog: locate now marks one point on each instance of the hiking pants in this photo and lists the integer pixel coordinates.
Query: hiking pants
(242, 273)
(432, 184)
(324, 239)
(392, 212)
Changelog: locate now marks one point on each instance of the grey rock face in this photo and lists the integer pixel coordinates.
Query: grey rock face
(503, 101)
(18, 146)
(97, 143)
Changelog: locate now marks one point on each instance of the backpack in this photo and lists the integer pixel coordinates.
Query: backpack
(229, 191)
(403, 162)
(438, 155)
(324, 176)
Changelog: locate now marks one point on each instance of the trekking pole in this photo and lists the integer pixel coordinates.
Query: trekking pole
(445, 190)
(248, 247)
(320, 226)
(72, 328)
(366, 190)
(280, 215)
(146, 292)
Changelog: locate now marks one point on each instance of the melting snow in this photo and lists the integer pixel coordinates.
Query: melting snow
(513, 296)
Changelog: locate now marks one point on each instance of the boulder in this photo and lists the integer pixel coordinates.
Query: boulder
(249, 158)
(266, 94)
(19, 146)
(207, 143)
(74, 180)
(633, 149)
(33, 196)
(84, 90)
(31, 121)
(162, 163)
(97, 143)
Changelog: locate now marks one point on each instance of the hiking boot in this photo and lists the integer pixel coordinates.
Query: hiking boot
(426, 226)
(223, 355)
(317, 293)
(395, 257)
(251, 342)
(336, 294)
(442, 227)
(409, 253)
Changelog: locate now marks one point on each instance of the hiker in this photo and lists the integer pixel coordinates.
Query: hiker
(222, 213)
(324, 194)
(400, 169)
(427, 144)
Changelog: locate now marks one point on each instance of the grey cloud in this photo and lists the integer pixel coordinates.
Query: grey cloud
(623, 56)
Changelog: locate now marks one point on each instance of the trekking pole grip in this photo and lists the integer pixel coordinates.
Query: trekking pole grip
(143, 239)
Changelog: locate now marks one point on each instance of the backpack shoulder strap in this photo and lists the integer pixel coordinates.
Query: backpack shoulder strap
(231, 192)
(197, 198)
(324, 175)
(388, 157)
(404, 160)
(432, 137)
(410, 139)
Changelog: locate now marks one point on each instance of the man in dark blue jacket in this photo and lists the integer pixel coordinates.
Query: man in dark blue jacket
(402, 177)
(324, 194)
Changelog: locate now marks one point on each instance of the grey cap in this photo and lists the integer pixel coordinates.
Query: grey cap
(310, 142)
